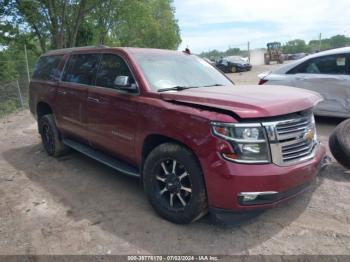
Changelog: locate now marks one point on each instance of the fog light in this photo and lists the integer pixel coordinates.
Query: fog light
(256, 197)
(249, 197)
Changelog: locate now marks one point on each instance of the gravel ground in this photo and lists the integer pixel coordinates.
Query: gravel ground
(74, 205)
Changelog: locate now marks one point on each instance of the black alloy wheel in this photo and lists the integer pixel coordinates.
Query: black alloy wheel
(174, 183)
(47, 138)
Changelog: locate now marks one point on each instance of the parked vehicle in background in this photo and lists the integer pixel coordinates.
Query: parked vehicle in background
(273, 53)
(327, 73)
(287, 57)
(196, 141)
(233, 64)
(298, 56)
(339, 143)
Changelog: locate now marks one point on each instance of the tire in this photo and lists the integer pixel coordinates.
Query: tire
(339, 143)
(233, 69)
(267, 60)
(280, 59)
(159, 186)
(50, 136)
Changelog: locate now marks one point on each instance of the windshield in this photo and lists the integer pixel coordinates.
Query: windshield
(164, 71)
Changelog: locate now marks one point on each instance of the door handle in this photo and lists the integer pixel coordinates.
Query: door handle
(93, 99)
(62, 92)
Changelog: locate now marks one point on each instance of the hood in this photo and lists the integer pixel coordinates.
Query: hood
(248, 101)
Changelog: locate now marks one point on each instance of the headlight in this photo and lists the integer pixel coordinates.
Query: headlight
(248, 141)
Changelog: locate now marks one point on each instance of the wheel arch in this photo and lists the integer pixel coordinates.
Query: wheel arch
(153, 140)
(42, 109)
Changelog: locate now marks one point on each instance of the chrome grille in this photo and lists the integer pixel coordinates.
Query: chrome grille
(292, 140)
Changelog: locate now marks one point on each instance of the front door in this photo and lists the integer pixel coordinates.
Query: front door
(330, 77)
(112, 113)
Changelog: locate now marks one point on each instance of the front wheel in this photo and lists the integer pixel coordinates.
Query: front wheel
(174, 184)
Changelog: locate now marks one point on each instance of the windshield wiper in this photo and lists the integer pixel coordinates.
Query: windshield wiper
(212, 85)
(177, 88)
(180, 88)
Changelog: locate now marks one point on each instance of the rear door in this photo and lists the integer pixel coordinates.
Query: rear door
(111, 112)
(79, 73)
(330, 77)
(45, 80)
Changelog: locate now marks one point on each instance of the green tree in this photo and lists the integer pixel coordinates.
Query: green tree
(69, 23)
(339, 41)
(295, 46)
(329, 43)
(8, 70)
(148, 23)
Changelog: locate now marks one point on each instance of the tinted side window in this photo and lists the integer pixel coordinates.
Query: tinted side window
(333, 64)
(47, 68)
(81, 69)
(112, 66)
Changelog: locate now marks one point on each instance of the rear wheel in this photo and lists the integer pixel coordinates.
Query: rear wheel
(50, 136)
(339, 143)
(280, 59)
(174, 184)
(233, 69)
(267, 60)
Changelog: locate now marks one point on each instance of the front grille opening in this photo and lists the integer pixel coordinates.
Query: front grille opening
(294, 139)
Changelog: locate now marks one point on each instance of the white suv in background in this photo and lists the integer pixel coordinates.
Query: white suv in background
(327, 73)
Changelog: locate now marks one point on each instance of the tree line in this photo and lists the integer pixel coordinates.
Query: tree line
(216, 54)
(290, 47)
(42, 25)
(300, 46)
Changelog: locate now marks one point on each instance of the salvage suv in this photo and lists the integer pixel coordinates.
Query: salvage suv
(197, 141)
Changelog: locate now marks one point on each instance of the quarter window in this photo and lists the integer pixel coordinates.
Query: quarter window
(47, 68)
(82, 69)
(111, 67)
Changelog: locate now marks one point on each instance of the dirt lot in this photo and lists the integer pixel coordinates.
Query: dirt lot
(74, 205)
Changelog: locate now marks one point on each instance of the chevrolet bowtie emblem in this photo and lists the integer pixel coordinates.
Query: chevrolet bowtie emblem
(309, 135)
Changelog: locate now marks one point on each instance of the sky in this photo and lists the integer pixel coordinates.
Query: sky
(220, 24)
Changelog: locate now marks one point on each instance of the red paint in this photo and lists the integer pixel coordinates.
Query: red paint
(122, 122)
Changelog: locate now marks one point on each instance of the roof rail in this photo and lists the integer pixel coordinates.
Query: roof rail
(76, 48)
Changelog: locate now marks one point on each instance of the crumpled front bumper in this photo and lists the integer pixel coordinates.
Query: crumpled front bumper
(303, 174)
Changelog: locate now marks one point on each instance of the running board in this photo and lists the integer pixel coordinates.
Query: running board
(118, 165)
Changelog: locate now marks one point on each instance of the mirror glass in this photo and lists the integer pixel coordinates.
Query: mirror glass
(121, 81)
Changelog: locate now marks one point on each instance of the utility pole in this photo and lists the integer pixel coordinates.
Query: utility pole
(26, 57)
(319, 42)
(248, 48)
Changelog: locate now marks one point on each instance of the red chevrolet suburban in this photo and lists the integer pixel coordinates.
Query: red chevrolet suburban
(197, 141)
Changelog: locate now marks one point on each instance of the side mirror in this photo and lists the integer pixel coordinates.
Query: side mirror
(122, 82)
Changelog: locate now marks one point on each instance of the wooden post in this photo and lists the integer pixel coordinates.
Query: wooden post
(319, 42)
(248, 52)
(19, 94)
(26, 57)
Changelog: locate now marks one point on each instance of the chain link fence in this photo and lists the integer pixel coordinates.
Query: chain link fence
(13, 96)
